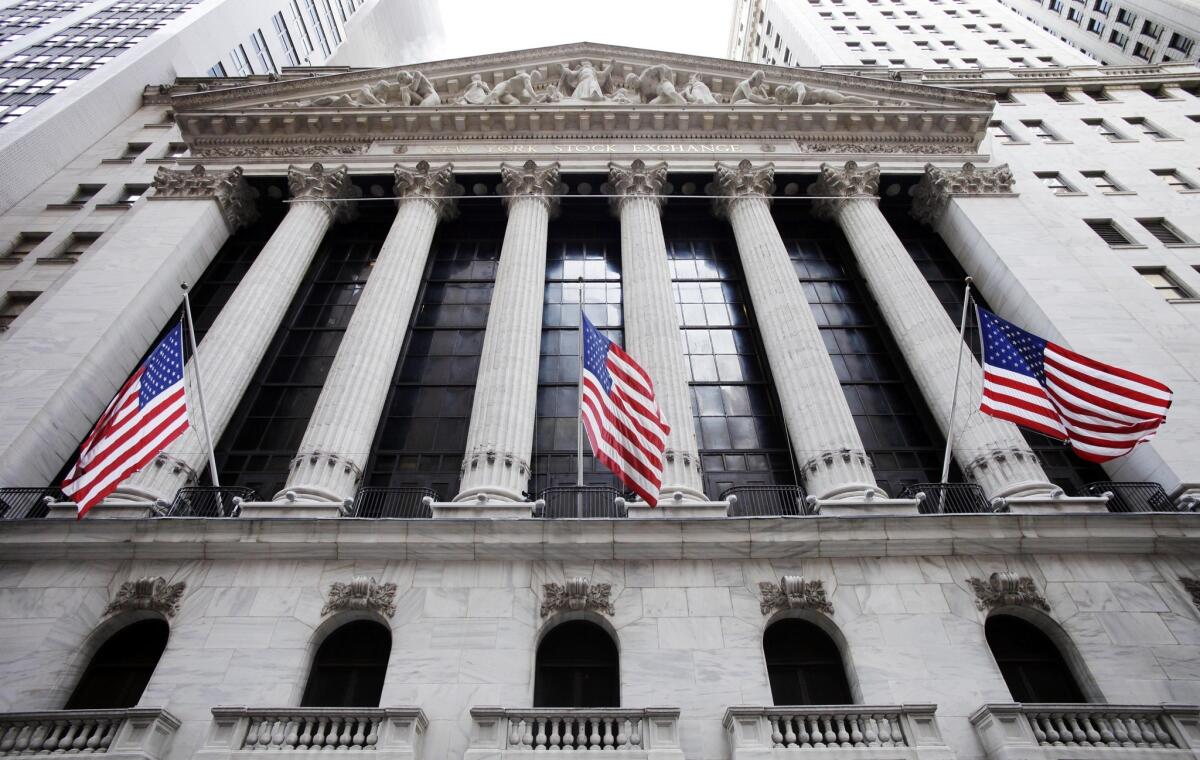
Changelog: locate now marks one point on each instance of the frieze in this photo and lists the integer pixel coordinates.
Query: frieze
(1006, 589)
(361, 594)
(277, 151)
(577, 595)
(916, 149)
(793, 593)
(154, 594)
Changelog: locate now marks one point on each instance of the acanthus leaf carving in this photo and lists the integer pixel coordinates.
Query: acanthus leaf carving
(362, 594)
(937, 186)
(228, 188)
(636, 180)
(835, 187)
(733, 183)
(434, 185)
(1007, 589)
(793, 592)
(332, 189)
(149, 593)
(577, 595)
(532, 181)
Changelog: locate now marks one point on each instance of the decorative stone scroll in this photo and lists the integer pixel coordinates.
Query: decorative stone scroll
(732, 183)
(433, 184)
(937, 186)
(362, 593)
(147, 593)
(1006, 589)
(227, 188)
(835, 187)
(636, 180)
(1192, 586)
(577, 595)
(333, 189)
(793, 593)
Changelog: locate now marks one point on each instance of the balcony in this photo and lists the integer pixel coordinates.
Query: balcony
(579, 502)
(27, 503)
(895, 732)
(137, 733)
(209, 501)
(498, 733)
(389, 733)
(766, 501)
(407, 503)
(1082, 731)
(947, 498)
(1132, 497)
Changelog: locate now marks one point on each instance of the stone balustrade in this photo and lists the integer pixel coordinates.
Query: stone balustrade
(1070, 731)
(902, 731)
(638, 733)
(390, 733)
(139, 733)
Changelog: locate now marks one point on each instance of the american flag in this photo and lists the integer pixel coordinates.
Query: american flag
(148, 413)
(1103, 411)
(623, 423)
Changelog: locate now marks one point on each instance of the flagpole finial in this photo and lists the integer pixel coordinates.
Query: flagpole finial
(970, 280)
(183, 286)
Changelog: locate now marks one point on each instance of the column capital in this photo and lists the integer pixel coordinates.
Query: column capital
(834, 187)
(332, 188)
(636, 180)
(531, 181)
(937, 186)
(436, 186)
(733, 183)
(227, 188)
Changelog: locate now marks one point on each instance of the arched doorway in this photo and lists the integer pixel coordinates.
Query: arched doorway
(121, 667)
(349, 667)
(1032, 666)
(577, 666)
(804, 665)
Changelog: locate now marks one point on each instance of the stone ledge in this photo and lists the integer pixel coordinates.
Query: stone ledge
(538, 539)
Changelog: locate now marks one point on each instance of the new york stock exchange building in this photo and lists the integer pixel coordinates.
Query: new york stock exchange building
(387, 270)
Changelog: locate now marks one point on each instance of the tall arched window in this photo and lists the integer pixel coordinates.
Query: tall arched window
(1031, 664)
(349, 668)
(121, 667)
(577, 666)
(804, 665)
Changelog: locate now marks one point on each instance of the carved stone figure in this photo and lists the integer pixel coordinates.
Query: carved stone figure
(475, 93)
(411, 88)
(696, 91)
(752, 90)
(800, 94)
(655, 85)
(576, 596)
(362, 593)
(516, 89)
(586, 82)
(147, 594)
(416, 90)
(793, 593)
(1005, 589)
(550, 95)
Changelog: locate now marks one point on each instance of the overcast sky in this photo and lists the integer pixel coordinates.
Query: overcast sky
(476, 27)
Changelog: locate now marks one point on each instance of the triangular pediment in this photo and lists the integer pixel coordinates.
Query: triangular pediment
(578, 88)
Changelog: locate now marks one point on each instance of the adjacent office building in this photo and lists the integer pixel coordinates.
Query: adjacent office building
(388, 268)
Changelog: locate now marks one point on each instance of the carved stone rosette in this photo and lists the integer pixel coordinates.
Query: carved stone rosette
(1006, 589)
(147, 594)
(835, 187)
(333, 189)
(577, 595)
(362, 593)
(427, 183)
(1192, 586)
(937, 186)
(227, 188)
(732, 183)
(531, 181)
(636, 181)
(793, 593)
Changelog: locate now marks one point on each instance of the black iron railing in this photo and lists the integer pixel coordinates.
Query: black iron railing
(948, 498)
(407, 502)
(580, 501)
(1132, 497)
(209, 501)
(767, 501)
(26, 503)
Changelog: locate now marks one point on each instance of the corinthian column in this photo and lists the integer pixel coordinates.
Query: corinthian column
(500, 439)
(824, 437)
(652, 333)
(234, 346)
(990, 452)
(340, 432)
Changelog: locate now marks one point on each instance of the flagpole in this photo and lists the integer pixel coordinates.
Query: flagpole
(579, 415)
(212, 459)
(962, 340)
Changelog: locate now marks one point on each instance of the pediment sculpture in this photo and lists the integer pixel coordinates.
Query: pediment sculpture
(410, 88)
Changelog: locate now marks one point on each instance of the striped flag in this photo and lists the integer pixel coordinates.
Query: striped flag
(148, 413)
(623, 423)
(1103, 411)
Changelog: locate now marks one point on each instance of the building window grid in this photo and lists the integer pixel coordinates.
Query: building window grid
(30, 15)
(1110, 233)
(1056, 183)
(318, 26)
(1102, 181)
(1161, 279)
(1041, 131)
(284, 36)
(1104, 129)
(262, 52)
(1163, 231)
(1174, 179)
(241, 61)
(11, 306)
(1146, 127)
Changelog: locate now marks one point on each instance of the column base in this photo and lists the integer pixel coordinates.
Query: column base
(490, 494)
(258, 510)
(669, 494)
(1027, 489)
(482, 507)
(127, 494)
(126, 510)
(676, 508)
(853, 492)
(861, 506)
(1052, 505)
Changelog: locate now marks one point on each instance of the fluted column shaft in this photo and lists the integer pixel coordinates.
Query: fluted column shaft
(833, 463)
(235, 344)
(500, 437)
(337, 441)
(990, 452)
